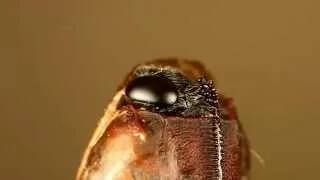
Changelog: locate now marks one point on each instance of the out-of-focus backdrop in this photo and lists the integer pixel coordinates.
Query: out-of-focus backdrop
(62, 60)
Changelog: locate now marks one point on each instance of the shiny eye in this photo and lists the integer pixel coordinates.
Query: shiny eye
(152, 89)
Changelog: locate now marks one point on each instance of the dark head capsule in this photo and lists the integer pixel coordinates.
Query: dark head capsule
(152, 90)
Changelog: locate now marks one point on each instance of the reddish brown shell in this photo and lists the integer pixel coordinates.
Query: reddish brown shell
(115, 124)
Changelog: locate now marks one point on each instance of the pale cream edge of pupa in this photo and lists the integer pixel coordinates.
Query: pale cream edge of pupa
(110, 112)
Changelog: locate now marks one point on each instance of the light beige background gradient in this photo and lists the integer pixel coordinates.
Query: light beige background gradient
(62, 60)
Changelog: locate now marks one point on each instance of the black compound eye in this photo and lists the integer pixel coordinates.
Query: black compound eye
(153, 90)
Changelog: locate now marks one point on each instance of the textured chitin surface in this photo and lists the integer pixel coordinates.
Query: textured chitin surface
(195, 143)
(186, 148)
(197, 136)
(236, 147)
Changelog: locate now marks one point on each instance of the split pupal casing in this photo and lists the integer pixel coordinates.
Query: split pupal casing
(167, 122)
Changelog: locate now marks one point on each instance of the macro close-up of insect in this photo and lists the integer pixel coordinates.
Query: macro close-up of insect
(167, 121)
(160, 90)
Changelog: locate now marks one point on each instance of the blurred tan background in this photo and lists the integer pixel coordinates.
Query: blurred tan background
(62, 60)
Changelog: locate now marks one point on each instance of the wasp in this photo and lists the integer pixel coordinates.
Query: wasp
(168, 122)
